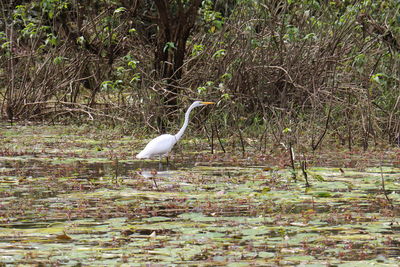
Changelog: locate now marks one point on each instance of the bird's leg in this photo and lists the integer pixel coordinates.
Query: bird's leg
(167, 161)
(160, 167)
(154, 180)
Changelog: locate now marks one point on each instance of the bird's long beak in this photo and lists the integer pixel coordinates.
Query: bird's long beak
(207, 103)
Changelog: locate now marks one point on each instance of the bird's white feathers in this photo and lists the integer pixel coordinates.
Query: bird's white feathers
(159, 146)
(163, 144)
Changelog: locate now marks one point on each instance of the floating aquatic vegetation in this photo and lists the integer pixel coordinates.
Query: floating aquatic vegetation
(92, 203)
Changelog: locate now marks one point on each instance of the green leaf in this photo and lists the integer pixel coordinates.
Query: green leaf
(322, 194)
(107, 85)
(59, 60)
(310, 36)
(377, 78)
(80, 40)
(197, 49)
(119, 10)
(226, 96)
(5, 45)
(201, 89)
(287, 130)
(133, 64)
(316, 176)
(136, 77)
(169, 45)
(265, 190)
(209, 83)
(220, 53)
(226, 76)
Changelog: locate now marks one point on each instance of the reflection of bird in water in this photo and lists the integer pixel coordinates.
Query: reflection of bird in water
(153, 173)
(163, 144)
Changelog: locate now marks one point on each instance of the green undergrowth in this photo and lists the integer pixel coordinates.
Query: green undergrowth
(72, 196)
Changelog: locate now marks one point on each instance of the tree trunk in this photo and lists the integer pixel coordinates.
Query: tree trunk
(175, 22)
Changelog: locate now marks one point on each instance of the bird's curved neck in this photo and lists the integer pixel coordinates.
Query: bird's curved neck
(185, 124)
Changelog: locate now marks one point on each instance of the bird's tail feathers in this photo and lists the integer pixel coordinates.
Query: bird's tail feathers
(140, 155)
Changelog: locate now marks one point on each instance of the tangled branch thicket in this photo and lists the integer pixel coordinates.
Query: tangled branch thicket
(292, 69)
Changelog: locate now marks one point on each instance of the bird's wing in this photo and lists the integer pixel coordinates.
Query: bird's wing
(158, 146)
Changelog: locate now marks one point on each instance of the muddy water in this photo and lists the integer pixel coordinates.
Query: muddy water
(113, 213)
(92, 204)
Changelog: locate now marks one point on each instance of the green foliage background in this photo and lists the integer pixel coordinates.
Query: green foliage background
(318, 68)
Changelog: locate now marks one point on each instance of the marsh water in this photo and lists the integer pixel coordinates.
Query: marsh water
(75, 196)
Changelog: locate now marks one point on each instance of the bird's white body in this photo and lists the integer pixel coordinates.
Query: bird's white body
(159, 146)
(163, 144)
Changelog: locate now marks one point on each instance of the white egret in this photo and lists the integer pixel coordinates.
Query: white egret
(163, 144)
